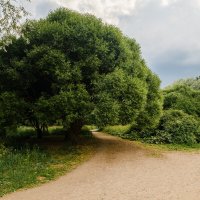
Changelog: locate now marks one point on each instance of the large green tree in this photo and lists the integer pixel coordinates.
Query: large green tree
(74, 67)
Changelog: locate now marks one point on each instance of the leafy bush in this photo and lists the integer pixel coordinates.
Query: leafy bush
(191, 82)
(184, 98)
(176, 127)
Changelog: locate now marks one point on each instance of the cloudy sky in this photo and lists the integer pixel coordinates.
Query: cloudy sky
(167, 30)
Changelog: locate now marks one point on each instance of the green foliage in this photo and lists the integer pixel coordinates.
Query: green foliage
(86, 131)
(180, 122)
(150, 115)
(16, 168)
(22, 132)
(90, 127)
(11, 112)
(117, 130)
(184, 98)
(120, 94)
(11, 13)
(157, 141)
(76, 69)
(194, 83)
(175, 127)
(36, 163)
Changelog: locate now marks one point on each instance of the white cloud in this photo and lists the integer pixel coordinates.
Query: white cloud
(168, 2)
(108, 10)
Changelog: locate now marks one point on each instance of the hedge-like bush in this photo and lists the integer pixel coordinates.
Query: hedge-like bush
(176, 127)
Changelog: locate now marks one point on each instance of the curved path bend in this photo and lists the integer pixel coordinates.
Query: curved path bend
(121, 170)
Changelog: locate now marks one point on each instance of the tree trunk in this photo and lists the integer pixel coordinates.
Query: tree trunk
(74, 131)
(39, 133)
(39, 128)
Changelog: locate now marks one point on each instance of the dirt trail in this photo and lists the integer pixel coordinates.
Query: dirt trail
(121, 170)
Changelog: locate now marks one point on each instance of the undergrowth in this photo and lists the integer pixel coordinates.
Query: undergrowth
(26, 163)
(123, 132)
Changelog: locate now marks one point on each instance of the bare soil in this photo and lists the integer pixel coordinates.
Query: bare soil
(122, 170)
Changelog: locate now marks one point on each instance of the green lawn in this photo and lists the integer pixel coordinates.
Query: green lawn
(29, 162)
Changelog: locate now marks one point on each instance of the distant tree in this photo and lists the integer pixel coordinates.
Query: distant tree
(77, 69)
(183, 97)
(191, 82)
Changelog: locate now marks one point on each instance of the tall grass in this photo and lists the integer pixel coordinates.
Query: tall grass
(22, 132)
(117, 130)
(19, 168)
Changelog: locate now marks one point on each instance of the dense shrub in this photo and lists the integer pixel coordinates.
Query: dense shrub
(175, 127)
(191, 82)
(184, 98)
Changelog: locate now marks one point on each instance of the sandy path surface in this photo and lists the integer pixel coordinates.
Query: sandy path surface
(121, 170)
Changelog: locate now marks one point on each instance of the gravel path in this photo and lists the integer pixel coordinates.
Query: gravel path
(121, 170)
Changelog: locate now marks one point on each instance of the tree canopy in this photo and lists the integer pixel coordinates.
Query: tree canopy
(75, 68)
(194, 83)
(183, 97)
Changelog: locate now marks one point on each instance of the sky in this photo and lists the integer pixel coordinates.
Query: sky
(168, 31)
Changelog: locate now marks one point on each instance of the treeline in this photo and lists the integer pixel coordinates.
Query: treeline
(73, 69)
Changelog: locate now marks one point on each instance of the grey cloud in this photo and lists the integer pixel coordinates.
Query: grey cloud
(43, 8)
(40, 9)
(169, 37)
(172, 66)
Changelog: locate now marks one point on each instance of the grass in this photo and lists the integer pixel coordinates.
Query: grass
(175, 147)
(121, 131)
(90, 127)
(22, 132)
(35, 162)
(117, 130)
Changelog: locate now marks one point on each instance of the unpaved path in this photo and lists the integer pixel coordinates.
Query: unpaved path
(121, 170)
